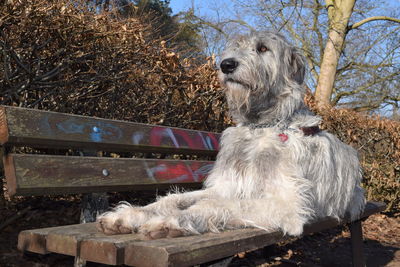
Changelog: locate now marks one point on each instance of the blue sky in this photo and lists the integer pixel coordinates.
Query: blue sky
(205, 5)
(179, 5)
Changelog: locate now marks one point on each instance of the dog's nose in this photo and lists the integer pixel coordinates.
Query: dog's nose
(229, 65)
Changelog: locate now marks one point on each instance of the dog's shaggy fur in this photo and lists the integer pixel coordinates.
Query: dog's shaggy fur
(275, 169)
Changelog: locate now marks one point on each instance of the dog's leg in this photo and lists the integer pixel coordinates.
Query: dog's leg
(207, 215)
(280, 211)
(126, 218)
(272, 214)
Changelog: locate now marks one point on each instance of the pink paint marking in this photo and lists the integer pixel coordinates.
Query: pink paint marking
(180, 171)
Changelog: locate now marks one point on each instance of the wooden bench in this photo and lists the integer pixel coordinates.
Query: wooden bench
(61, 172)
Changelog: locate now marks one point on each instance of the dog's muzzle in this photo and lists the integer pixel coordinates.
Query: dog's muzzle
(229, 65)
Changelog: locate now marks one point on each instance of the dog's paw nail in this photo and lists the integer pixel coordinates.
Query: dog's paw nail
(99, 226)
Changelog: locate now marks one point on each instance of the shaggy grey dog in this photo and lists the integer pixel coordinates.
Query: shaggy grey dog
(275, 169)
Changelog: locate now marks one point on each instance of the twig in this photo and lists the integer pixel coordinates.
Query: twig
(18, 215)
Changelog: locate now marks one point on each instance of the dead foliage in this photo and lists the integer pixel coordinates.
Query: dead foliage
(61, 55)
(65, 57)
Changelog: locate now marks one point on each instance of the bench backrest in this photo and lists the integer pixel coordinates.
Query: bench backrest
(37, 174)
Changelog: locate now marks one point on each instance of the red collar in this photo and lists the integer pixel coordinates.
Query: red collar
(283, 137)
(310, 130)
(307, 131)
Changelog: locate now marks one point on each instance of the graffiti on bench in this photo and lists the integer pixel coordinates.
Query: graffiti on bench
(99, 131)
(178, 172)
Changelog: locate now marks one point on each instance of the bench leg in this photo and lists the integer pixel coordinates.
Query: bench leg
(92, 205)
(357, 244)
(78, 262)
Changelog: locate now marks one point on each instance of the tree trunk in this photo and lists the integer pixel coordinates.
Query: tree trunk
(339, 12)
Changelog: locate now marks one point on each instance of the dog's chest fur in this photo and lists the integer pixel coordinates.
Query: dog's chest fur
(248, 158)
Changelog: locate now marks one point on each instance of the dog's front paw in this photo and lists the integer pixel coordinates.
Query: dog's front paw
(124, 219)
(161, 227)
(109, 225)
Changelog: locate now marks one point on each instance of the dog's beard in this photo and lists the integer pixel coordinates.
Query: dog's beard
(238, 95)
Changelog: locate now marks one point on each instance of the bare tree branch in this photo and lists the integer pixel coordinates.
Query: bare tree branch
(342, 94)
(358, 24)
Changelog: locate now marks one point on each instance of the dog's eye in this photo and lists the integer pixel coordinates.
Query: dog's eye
(262, 48)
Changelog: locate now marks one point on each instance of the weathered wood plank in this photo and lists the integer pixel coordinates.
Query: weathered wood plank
(67, 240)
(201, 249)
(191, 250)
(60, 239)
(3, 125)
(36, 240)
(372, 207)
(33, 240)
(46, 175)
(106, 249)
(21, 126)
(184, 251)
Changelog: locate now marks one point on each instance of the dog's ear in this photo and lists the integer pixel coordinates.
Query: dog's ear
(296, 63)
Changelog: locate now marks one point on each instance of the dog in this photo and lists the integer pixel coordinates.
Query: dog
(276, 170)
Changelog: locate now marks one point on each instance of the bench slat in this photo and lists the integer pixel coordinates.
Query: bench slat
(106, 249)
(30, 127)
(194, 250)
(48, 175)
(67, 241)
(185, 251)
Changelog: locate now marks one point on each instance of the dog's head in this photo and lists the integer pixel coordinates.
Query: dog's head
(260, 71)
